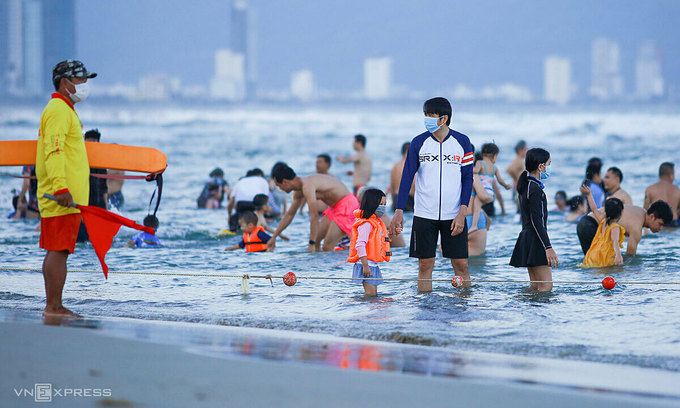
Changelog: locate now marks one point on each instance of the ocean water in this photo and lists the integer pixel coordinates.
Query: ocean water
(636, 325)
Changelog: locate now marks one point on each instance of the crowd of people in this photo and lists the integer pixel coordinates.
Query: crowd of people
(450, 190)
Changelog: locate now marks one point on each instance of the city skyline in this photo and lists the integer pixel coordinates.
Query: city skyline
(470, 67)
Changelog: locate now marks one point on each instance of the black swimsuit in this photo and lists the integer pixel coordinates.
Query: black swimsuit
(533, 241)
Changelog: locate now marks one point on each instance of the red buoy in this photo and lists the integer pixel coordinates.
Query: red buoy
(457, 281)
(608, 283)
(290, 279)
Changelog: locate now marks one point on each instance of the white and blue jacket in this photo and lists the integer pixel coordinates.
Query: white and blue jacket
(444, 181)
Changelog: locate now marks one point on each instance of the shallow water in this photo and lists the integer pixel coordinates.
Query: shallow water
(634, 324)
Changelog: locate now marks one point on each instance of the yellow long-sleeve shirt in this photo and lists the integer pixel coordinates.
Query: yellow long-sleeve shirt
(61, 159)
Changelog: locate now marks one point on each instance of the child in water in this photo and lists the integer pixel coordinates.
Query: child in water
(262, 208)
(606, 247)
(489, 156)
(144, 239)
(254, 238)
(480, 196)
(370, 242)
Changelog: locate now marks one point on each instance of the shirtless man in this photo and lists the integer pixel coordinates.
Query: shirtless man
(323, 164)
(633, 219)
(362, 163)
(665, 190)
(395, 179)
(612, 186)
(517, 167)
(337, 219)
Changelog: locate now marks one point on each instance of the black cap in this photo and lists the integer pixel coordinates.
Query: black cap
(71, 69)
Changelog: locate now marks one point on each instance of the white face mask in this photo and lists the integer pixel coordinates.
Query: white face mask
(82, 92)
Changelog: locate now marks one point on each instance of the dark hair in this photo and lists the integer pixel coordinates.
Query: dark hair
(260, 200)
(478, 157)
(281, 171)
(534, 157)
(438, 106)
(151, 221)
(404, 148)
(521, 145)
(255, 172)
(277, 164)
(613, 208)
(489, 149)
(217, 172)
(661, 209)
(361, 139)
(595, 161)
(562, 194)
(617, 172)
(15, 202)
(592, 170)
(93, 134)
(213, 186)
(666, 169)
(248, 217)
(370, 201)
(575, 202)
(325, 158)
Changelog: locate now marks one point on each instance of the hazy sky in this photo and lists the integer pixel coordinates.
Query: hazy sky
(435, 44)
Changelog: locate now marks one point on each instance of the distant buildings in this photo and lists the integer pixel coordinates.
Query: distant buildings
(377, 78)
(34, 36)
(242, 41)
(607, 82)
(229, 82)
(557, 85)
(302, 85)
(649, 81)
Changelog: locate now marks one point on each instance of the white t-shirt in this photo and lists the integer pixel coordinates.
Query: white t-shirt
(248, 187)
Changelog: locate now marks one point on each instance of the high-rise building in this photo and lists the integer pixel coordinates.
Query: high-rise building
(229, 80)
(377, 78)
(302, 85)
(607, 82)
(242, 41)
(32, 47)
(557, 80)
(59, 36)
(649, 82)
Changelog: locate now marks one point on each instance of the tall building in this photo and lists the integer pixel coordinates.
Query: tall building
(378, 78)
(32, 47)
(649, 82)
(302, 85)
(59, 36)
(242, 41)
(557, 80)
(228, 83)
(607, 82)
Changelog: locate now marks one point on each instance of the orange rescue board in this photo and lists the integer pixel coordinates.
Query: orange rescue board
(101, 155)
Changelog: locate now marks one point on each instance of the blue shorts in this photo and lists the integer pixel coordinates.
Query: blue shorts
(374, 279)
(481, 223)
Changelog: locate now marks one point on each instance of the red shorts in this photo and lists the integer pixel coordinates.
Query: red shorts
(342, 213)
(59, 233)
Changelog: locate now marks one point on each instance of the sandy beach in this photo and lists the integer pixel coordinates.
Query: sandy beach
(110, 366)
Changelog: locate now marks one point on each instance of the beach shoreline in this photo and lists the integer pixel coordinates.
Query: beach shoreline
(147, 364)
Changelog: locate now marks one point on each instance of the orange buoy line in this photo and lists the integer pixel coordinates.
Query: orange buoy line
(291, 278)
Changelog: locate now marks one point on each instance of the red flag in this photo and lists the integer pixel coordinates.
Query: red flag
(102, 226)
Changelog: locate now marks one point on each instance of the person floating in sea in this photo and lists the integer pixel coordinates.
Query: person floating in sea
(612, 186)
(594, 180)
(20, 208)
(395, 179)
(443, 160)
(633, 220)
(362, 163)
(62, 170)
(369, 241)
(213, 192)
(98, 185)
(144, 239)
(489, 155)
(533, 249)
(665, 190)
(561, 201)
(30, 186)
(254, 237)
(577, 208)
(337, 220)
(261, 203)
(605, 250)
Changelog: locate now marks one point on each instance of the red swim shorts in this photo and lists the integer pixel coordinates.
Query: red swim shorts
(342, 213)
(59, 233)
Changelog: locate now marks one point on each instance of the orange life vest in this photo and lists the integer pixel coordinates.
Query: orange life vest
(253, 242)
(378, 245)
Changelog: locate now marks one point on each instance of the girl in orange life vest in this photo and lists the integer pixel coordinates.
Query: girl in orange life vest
(254, 238)
(370, 242)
